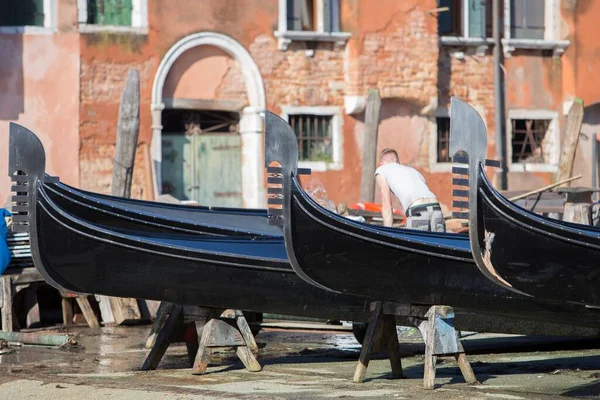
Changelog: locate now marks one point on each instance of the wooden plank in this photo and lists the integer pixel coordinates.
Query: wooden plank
(248, 359)
(368, 344)
(125, 310)
(369, 162)
(7, 315)
(570, 140)
(127, 136)
(163, 340)
(32, 319)
(88, 312)
(466, 369)
(67, 311)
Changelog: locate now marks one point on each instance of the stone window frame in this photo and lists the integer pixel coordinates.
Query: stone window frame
(285, 36)
(337, 136)
(434, 165)
(50, 22)
(553, 131)
(139, 19)
(551, 39)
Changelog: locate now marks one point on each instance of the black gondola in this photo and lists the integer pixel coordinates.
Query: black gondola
(516, 248)
(102, 257)
(408, 266)
(160, 217)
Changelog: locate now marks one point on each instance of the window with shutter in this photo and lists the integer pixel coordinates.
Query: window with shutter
(109, 12)
(527, 19)
(477, 18)
(306, 15)
(22, 13)
(450, 21)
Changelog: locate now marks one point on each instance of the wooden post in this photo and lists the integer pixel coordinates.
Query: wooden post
(127, 136)
(7, 315)
(32, 306)
(372, 113)
(126, 310)
(570, 140)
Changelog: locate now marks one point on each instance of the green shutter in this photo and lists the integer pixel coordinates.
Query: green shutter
(477, 18)
(109, 12)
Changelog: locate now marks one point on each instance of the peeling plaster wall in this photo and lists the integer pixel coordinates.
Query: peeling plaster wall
(39, 89)
(396, 51)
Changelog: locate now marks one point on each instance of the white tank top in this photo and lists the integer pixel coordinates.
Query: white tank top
(407, 184)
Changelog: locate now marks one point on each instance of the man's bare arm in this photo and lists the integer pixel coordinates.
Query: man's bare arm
(386, 201)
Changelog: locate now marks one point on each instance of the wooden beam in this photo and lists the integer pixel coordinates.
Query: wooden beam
(124, 310)
(7, 315)
(570, 140)
(127, 136)
(372, 114)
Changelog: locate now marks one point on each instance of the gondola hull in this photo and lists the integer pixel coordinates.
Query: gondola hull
(516, 248)
(185, 269)
(399, 265)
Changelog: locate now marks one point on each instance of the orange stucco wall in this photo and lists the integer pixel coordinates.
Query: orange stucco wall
(70, 86)
(39, 89)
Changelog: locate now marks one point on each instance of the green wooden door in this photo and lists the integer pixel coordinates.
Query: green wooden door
(204, 168)
(218, 170)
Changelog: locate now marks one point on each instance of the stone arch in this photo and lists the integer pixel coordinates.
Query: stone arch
(251, 123)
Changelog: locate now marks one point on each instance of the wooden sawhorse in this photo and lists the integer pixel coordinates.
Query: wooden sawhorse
(437, 328)
(212, 329)
(15, 280)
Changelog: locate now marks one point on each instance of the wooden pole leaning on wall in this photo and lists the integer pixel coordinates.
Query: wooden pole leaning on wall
(372, 114)
(570, 140)
(123, 309)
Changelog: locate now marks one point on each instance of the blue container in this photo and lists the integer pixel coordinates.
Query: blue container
(4, 252)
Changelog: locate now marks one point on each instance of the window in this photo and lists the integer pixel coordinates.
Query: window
(313, 15)
(319, 133)
(309, 20)
(465, 18)
(533, 140)
(109, 12)
(527, 19)
(113, 15)
(443, 139)
(527, 139)
(22, 13)
(314, 136)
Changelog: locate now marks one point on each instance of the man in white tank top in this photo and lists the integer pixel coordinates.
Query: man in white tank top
(420, 205)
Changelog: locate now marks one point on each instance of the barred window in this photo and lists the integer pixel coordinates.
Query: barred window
(109, 12)
(22, 13)
(526, 140)
(443, 139)
(314, 136)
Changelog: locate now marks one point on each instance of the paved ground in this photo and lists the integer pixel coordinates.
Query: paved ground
(299, 364)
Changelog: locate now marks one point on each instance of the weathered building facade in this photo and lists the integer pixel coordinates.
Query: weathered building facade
(209, 68)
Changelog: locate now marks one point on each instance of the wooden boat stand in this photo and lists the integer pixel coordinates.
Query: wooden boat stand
(437, 327)
(28, 279)
(203, 330)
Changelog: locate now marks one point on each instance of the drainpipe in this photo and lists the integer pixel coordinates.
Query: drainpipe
(499, 107)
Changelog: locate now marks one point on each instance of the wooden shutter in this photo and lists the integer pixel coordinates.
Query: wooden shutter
(294, 13)
(331, 15)
(527, 19)
(477, 16)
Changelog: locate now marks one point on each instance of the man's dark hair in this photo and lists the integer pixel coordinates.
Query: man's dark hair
(389, 151)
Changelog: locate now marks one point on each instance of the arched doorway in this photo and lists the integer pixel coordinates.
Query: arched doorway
(242, 113)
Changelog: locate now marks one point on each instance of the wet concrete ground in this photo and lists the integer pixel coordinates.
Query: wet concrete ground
(299, 365)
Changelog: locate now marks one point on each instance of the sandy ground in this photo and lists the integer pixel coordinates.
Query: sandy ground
(299, 365)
